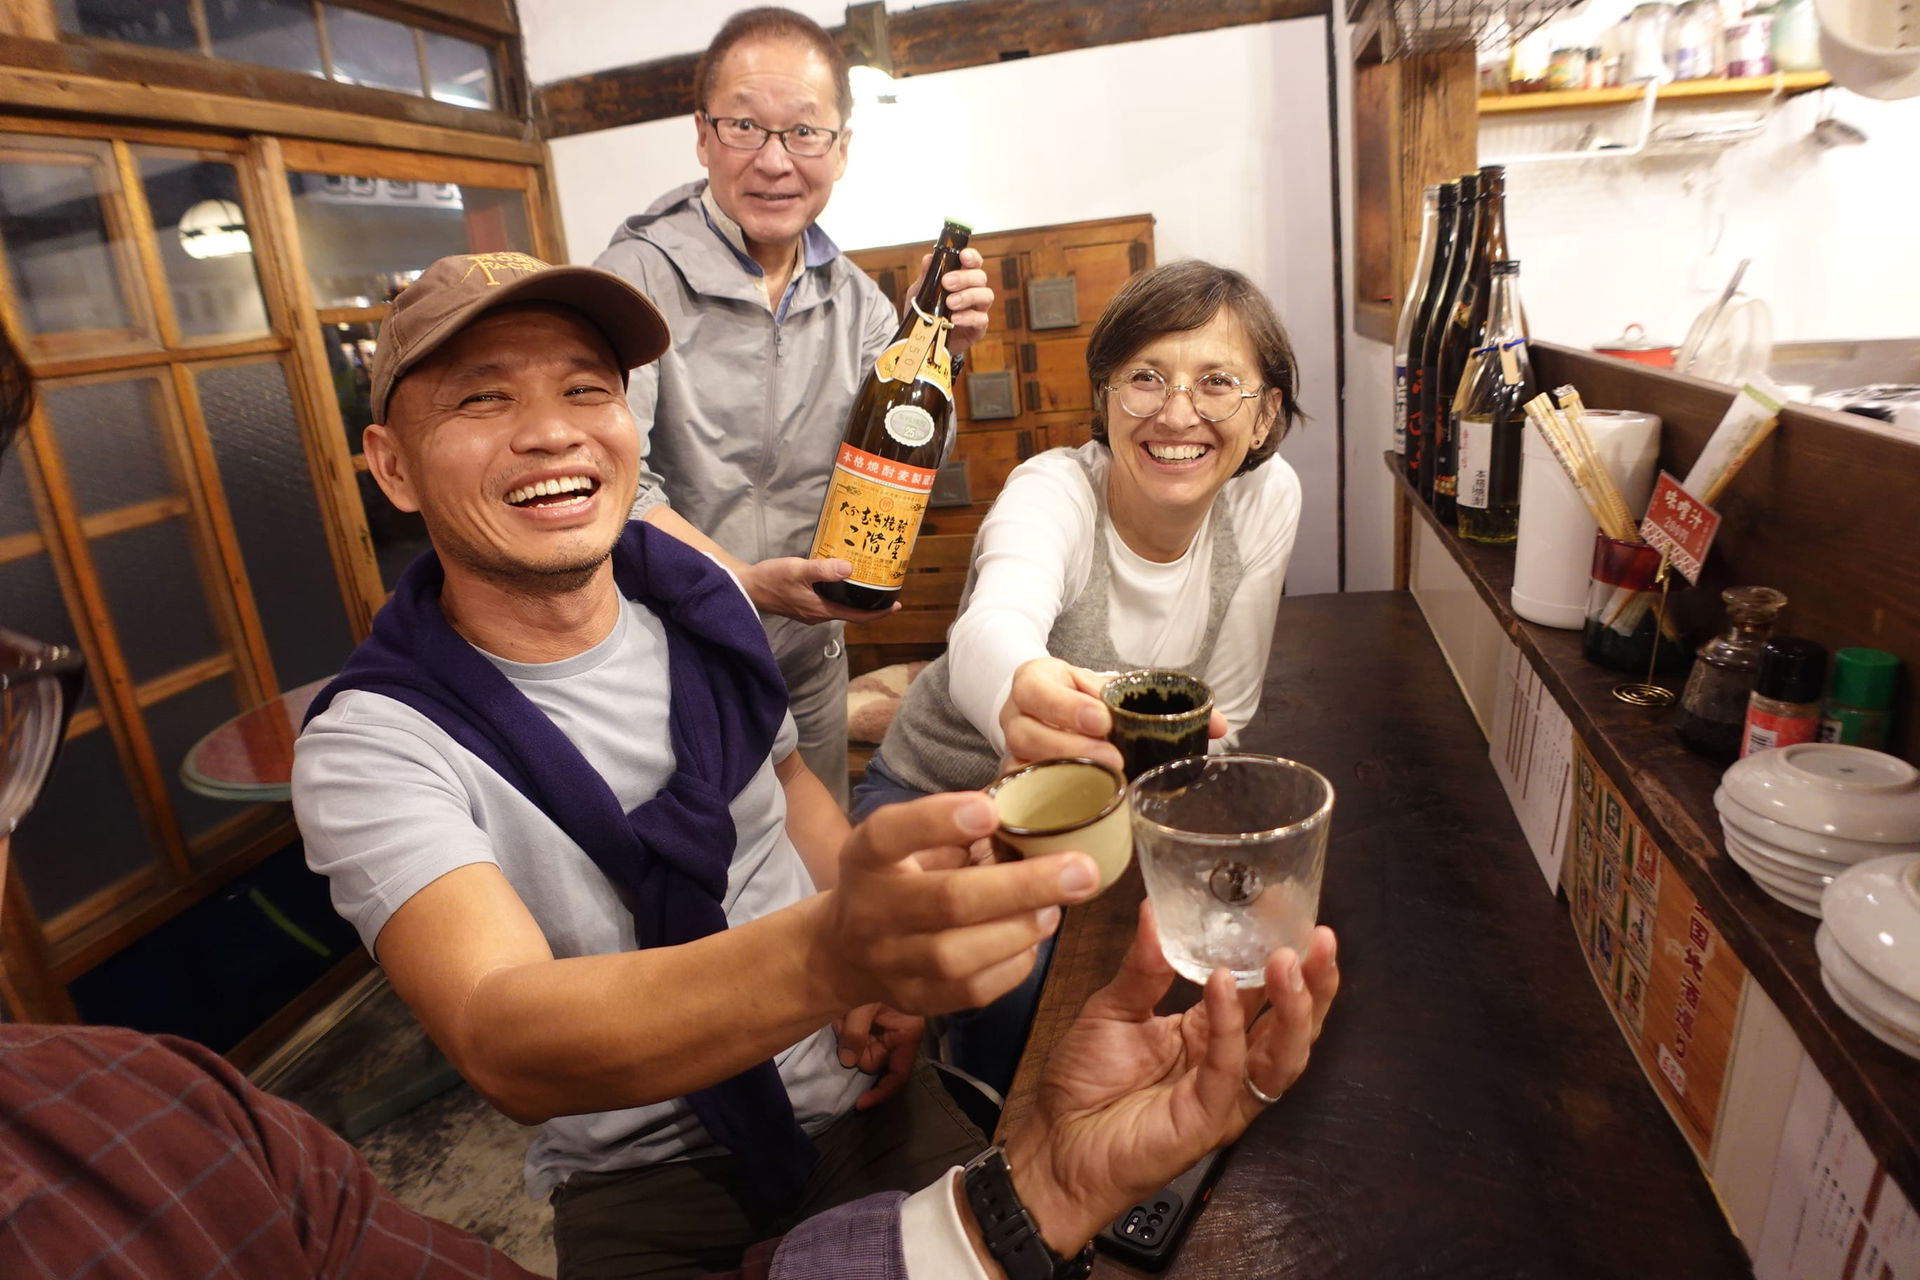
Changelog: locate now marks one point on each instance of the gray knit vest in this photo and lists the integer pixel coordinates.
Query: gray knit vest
(932, 746)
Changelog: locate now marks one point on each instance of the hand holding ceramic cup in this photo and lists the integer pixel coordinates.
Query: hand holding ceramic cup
(1231, 848)
(1157, 716)
(1052, 805)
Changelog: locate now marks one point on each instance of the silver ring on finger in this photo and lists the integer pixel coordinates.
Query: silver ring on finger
(1260, 1095)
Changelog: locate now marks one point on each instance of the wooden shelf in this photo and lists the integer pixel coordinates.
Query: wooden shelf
(1670, 791)
(1681, 90)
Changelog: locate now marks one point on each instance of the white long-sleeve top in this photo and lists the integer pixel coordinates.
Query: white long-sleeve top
(1033, 556)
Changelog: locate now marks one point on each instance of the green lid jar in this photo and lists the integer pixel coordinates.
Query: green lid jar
(1857, 709)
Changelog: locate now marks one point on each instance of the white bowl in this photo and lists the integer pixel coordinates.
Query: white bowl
(1832, 789)
(1815, 879)
(1879, 1030)
(1800, 897)
(1874, 912)
(1778, 836)
(1871, 994)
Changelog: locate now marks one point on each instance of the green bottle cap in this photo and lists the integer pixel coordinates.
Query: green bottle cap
(1864, 677)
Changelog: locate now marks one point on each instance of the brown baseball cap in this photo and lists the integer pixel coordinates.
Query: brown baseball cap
(456, 290)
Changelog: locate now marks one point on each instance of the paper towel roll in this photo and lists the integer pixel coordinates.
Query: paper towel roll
(1553, 556)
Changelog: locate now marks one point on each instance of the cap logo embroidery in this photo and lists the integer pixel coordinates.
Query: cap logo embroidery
(508, 262)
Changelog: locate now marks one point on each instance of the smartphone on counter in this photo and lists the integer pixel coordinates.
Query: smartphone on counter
(1148, 1234)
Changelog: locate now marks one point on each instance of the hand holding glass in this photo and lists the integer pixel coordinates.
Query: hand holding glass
(1231, 848)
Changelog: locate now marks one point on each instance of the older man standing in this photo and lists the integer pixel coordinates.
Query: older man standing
(774, 331)
(557, 793)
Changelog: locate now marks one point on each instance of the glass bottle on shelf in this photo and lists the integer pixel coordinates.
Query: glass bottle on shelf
(1490, 418)
(1410, 312)
(1713, 706)
(1439, 311)
(1445, 232)
(1466, 330)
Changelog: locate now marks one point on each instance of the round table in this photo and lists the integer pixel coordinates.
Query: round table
(250, 757)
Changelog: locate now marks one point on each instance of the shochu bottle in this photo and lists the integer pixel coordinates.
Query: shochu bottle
(898, 434)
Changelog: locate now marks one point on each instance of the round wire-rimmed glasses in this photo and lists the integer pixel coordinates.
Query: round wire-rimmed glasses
(1215, 396)
(40, 684)
(739, 133)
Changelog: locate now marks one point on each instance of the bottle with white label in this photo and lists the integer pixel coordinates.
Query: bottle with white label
(1490, 418)
(898, 434)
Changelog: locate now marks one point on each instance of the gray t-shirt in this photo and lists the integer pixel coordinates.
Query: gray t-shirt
(388, 803)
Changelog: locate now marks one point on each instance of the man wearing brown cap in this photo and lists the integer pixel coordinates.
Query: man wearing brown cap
(557, 792)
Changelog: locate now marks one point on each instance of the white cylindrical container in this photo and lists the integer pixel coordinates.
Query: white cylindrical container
(1553, 558)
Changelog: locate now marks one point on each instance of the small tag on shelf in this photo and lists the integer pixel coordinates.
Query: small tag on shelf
(1680, 525)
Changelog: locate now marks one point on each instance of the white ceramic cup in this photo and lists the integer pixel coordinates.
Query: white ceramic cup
(1074, 803)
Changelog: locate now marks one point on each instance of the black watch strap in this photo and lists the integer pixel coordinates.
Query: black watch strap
(1010, 1232)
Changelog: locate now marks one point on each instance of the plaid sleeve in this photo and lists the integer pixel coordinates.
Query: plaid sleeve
(125, 1155)
(856, 1241)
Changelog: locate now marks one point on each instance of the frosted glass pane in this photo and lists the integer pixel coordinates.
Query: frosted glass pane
(376, 52)
(273, 33)
(366, 238)
(155, 597)
(174, 726)
(16, 503)
(263, 469)
(85, 832)
(57, 248)
(462, 71)
(31, 604)
(199, 226)
(161, 24)
(111, 442)
(398, 536)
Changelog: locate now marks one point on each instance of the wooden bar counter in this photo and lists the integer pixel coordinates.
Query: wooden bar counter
(1471, 1109)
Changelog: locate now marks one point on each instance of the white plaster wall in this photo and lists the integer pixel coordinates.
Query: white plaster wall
(1223, 136)
(1606, 242)
(567, 38)
(1653, 240)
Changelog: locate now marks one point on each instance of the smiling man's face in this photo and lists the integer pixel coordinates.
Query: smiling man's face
(777, 84)
(514, 442)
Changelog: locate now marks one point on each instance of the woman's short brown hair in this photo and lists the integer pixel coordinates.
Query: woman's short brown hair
(773, 23)
(1179, 298)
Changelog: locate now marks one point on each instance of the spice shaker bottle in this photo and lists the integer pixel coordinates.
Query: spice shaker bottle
(1857, 709)
(1784, 707)
(1713, 707)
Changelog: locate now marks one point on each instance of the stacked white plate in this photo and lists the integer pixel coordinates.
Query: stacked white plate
(1798, 817)
(1869, 947)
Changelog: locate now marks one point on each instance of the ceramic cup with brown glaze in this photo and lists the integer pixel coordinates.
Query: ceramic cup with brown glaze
(1053, 805)
(1157, 716)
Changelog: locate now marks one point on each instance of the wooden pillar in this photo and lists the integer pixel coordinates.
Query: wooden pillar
(1415, 123)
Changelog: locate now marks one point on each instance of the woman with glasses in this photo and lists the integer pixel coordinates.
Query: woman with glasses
(1163, 542)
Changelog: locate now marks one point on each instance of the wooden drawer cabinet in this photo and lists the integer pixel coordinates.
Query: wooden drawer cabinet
(1051, 397)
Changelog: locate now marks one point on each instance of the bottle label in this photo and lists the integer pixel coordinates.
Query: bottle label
(909, 424)
(1475, 472)
(1765, 730)
(922, 354)
(872, 516)
(1400, 408)
(1510, 363)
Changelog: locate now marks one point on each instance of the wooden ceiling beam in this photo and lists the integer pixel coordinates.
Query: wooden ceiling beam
(941, 37)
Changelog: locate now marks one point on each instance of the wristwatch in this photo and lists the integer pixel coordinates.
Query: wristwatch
(1011, 1234)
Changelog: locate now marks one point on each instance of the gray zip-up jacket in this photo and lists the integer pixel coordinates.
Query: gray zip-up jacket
(741, 419)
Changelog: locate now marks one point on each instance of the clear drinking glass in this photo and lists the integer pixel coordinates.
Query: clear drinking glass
(1231, 848)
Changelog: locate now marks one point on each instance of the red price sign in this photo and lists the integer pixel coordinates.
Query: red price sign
(1680, 525)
